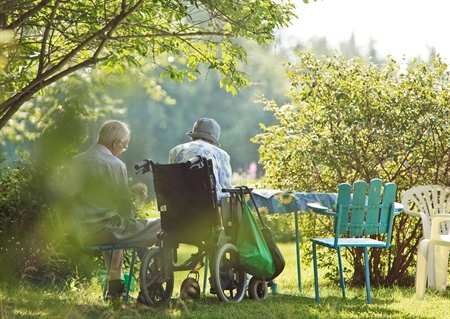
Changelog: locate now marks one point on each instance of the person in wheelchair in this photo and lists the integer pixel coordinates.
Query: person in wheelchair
(103, 209)
(191, 194)
(205, 136)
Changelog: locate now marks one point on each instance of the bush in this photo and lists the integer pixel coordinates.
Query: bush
(350, 119)
(32, 220)
(32, 243)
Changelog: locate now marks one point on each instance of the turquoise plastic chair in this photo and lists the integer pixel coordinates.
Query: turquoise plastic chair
(369, 211)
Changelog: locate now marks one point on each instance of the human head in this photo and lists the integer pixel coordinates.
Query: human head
(206, 129)
(115, 135)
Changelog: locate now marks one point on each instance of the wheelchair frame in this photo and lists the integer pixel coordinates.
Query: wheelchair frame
(227, 275)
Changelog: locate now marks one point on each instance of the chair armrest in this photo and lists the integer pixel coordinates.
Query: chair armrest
(320, 209)
(435, 223)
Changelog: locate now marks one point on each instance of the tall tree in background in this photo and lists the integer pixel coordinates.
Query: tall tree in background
(55, 38)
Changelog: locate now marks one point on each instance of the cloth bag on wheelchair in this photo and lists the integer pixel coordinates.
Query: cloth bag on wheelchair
(254, 253)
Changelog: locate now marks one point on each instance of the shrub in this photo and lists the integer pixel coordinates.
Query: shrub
(350, 119)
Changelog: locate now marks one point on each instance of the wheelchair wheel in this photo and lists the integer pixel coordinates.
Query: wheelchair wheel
(257, 288)
(155, 289)
(228, 279)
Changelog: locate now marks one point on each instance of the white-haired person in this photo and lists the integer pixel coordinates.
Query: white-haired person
(104, 212)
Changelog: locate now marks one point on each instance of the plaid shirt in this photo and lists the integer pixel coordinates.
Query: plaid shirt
(220, 159)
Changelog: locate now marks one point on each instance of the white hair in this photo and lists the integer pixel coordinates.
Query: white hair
(113, 131)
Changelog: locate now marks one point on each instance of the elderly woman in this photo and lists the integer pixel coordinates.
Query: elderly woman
(104, 210)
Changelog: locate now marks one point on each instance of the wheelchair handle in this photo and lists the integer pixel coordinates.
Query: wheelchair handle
(143, 166)
(195, 162)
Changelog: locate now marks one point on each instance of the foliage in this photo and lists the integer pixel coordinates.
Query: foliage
(282, 227)
(25, 251)
(33, 221)
(156, 126)
(158, 111)
(56, 38)
(79, 96)
(350, 119)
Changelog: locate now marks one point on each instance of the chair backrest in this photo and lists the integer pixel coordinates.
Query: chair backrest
(426, 201)
(187, 200)
(368, 210)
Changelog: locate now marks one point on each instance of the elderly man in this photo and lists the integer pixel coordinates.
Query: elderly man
(205, 136)
(104, 211)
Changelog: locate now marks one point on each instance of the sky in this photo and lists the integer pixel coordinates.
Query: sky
(401, 28)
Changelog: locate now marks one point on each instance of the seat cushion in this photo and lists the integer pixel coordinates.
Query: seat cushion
(350, 242)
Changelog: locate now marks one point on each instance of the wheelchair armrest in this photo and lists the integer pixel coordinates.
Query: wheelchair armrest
(143, 166)
(320, 209)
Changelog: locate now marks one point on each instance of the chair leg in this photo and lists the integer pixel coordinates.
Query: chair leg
(421, 270)
(341, 272)
(130, 274)
(205, 276)
(316, 277)
(431, 274)
(441, 267)
(367, 274)
(297, 251)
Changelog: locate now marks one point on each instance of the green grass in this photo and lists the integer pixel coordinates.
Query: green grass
(31, 302)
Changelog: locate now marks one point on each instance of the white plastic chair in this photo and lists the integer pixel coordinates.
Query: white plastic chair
(440, 245)
(432, 204)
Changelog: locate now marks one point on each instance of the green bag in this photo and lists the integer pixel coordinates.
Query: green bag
(254, 254)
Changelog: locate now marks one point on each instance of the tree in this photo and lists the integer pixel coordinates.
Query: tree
(55, 38)
(350, 119)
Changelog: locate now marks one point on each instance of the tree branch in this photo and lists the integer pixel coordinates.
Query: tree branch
(17, 23)
(45, 37)
(172, 34)
(16, 101)
(99, 33)
(10, 106)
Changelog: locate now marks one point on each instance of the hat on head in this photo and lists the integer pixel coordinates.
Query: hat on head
(206, 129)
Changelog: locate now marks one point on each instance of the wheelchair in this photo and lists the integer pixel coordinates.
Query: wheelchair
(190, 214)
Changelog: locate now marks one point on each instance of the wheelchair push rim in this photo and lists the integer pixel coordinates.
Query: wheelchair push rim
(228, 277)
(155, 289)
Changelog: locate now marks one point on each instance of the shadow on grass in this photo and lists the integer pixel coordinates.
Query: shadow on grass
(47, 304)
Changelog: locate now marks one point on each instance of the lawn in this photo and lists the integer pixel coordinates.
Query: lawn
(30, 302)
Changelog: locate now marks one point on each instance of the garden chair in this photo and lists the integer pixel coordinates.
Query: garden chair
(430, 202)
(368, 212)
